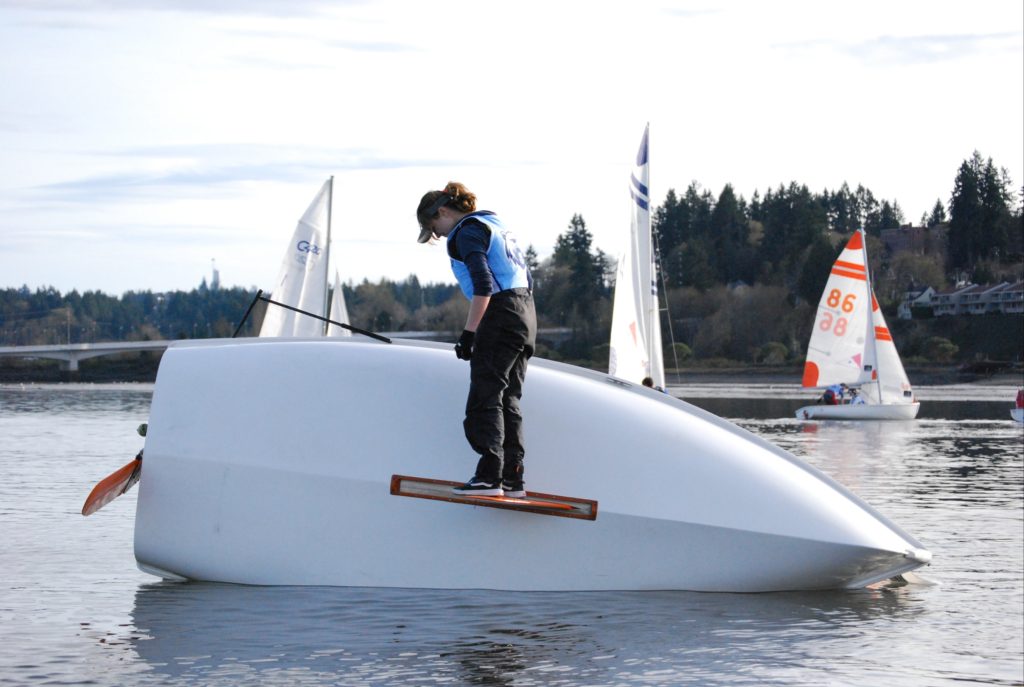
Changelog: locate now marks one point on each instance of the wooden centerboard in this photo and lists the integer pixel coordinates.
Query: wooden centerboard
(534, 502)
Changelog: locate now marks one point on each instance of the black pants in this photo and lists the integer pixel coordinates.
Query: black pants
(505, 341)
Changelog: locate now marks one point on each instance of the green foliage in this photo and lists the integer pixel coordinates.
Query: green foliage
(888, 216)
(742, 279)
(908, 270)
(676, 354)
(749, 318)
(937, 216)
(570, 290)
(982, 222)
(47, 317)
(940, 349)
(817, 265)
(772, 353)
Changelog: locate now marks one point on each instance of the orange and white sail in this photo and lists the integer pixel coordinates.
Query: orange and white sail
(893, 385)
(635, 344)
(851, 342)
(841, 349)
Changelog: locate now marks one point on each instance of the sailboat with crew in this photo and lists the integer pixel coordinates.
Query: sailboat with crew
(635, 342)
(851, 347)
(302, 280)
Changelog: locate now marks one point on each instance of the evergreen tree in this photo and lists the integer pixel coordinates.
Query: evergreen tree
(730, 231)
(532, 261)
(816, 268)
(678, 222)
(576, 286)
(980, 218)
(886, 216)
(793, 219)
(937, 216)
(843, 210)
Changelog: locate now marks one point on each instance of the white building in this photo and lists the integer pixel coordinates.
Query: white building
(975, 299)
(914, 298)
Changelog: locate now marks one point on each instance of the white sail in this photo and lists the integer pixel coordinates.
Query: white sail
(339, 313)
(893, 384)
(635, 345)
(302, 280)
(841, 348)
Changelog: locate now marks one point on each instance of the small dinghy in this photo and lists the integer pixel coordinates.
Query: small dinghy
(851, 344)
(272, 462)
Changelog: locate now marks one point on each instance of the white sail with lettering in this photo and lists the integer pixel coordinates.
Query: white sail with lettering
(635, 345)
(302, 280)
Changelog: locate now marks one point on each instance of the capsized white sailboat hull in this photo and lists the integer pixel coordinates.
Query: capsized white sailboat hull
(863, 411)
(268, 462)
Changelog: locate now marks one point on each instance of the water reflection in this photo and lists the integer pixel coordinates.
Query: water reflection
(198, 631)
(85, 400)
(75, 610)
(785, 407)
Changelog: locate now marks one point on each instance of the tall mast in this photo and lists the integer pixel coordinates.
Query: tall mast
(327, 258)
(871, 311)
(653, 314)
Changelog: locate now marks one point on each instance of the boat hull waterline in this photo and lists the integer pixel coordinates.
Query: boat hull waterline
(268, 461)
(862, 411)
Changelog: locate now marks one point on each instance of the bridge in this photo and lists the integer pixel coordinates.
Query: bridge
(71, 354)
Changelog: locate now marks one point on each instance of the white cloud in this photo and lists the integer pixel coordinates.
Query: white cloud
(164, 134)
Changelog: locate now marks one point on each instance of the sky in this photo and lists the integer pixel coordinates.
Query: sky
(143, 142)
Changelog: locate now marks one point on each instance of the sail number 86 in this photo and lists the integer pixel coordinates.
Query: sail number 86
(835, 297)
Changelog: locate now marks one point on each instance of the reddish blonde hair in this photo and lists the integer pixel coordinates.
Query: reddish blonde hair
(457, 196)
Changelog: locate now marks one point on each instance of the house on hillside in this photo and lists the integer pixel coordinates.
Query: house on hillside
(1007, 298)
(979, 299)
(916, 240)
(914, 297)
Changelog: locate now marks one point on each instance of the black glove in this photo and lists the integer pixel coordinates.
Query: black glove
(464, 346)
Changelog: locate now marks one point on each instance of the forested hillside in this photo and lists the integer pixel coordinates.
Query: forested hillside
(739, 280)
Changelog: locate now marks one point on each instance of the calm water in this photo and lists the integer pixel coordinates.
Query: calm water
(75, 610)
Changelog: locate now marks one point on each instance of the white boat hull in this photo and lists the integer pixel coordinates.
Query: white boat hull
(1017, 414)
(862, 411)
(269, 462)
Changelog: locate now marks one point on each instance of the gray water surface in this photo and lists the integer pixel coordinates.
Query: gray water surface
(74, 609)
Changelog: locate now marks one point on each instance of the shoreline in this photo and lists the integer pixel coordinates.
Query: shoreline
(142, 367)
(931, 375)
(920, 376)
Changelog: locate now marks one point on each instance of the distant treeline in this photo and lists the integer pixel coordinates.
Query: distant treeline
(739, 279)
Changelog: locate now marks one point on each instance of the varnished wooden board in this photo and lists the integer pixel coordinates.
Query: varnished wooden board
(534, 502)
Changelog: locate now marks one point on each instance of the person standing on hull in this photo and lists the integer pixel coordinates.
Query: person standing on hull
(500, 334)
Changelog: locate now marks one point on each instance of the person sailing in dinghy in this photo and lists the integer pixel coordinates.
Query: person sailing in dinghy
(500, 334)
(833, 395)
